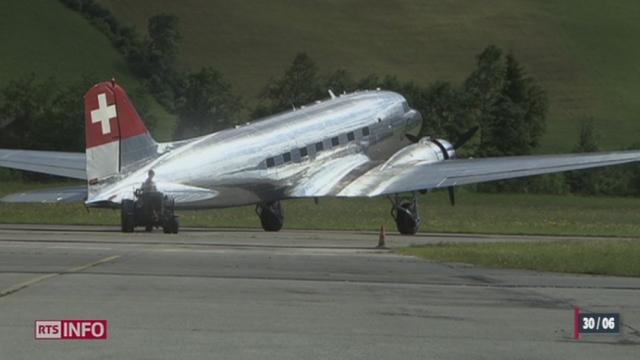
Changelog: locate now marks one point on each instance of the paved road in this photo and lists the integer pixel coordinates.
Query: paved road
(296, 294)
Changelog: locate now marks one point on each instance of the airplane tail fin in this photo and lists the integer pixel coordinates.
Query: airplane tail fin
(116, 138)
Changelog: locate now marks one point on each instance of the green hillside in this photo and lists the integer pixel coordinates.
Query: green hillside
(584, 52)
(45, 38)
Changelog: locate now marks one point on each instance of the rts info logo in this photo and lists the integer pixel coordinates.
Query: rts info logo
(70, 329)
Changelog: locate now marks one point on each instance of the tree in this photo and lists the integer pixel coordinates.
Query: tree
(22, 105)
(526, 94)
(299, 85)
(482, 91)
(444, 109)
(339, 81)
(507, 104)
(593, 181)
(484, 85)
(504, 130)
(44, 115)
(207, 104)
(164, 38)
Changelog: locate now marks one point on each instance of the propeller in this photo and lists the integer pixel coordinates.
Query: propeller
(464, 138)
(461, 141)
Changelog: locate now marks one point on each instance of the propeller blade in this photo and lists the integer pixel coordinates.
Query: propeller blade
(452, 195)
(466, 137)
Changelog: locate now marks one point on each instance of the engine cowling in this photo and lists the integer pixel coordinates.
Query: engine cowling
(426, 149)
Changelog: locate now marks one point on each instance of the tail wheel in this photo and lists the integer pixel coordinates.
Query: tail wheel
(127, 216)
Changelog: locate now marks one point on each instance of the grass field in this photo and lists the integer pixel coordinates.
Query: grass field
(605, 257)
(473, 213)
(45, 38)
(585, 53)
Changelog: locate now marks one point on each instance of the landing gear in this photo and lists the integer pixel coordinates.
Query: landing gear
(405, 212)
(271, 215)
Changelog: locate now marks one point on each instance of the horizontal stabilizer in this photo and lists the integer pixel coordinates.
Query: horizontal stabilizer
(66, 164)
(185, 196)
(67, 194)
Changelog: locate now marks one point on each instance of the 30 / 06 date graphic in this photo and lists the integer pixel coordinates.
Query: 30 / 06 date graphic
(595, 323)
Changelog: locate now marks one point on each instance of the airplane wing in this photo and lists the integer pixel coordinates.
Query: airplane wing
(424, 175)
(65, 164)
(324, 180)
(67, 194)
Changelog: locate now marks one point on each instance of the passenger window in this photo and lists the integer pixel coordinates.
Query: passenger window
(335, 141)
(319, 146)
(271, 162)
(350, 136)
(286, 157)
(365, 131)
(303, 152)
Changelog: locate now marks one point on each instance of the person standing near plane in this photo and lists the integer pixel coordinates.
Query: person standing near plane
(148, 185)
(151, 201)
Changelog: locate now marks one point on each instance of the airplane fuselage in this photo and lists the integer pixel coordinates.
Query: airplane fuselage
(259, 162)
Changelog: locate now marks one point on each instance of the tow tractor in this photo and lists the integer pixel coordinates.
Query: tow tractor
(150, 209)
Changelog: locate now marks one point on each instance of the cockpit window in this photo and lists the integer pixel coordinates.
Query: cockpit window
(405, 106)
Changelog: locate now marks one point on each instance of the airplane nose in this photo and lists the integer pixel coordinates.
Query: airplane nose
(415, 118)
(413, 121)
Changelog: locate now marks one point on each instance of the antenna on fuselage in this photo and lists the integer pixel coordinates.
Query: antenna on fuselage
(333, 96)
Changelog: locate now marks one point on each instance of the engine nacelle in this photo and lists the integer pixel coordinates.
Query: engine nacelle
(427, 149)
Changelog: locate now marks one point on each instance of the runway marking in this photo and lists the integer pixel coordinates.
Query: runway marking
(25, 284)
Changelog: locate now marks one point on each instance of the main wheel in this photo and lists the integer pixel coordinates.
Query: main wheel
(128, 216)
(271, 216)
(406, 219)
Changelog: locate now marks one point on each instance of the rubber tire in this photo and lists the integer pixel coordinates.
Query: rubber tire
(405, 223)
(271, 221)
(127, 216)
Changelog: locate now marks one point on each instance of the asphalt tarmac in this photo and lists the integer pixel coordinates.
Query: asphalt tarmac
(247, 294)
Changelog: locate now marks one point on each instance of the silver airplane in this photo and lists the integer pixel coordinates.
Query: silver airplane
(353, 145)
